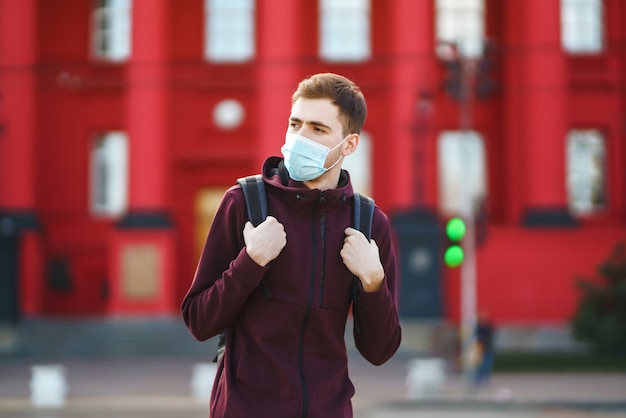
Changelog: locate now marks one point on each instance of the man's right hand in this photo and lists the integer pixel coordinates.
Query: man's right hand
(266, 241)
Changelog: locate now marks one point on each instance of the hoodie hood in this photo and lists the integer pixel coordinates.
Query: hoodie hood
(275, 174)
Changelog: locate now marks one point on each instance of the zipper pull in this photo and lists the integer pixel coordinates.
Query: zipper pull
(323, 196)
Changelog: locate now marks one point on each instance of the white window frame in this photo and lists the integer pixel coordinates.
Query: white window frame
(582, 26)
(462, 171)
(108, 185)
(111, 31)
(345, 30)
(229, 31)
(586, 171)
(460, 23)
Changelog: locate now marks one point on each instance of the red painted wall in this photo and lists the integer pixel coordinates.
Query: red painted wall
(529, 276)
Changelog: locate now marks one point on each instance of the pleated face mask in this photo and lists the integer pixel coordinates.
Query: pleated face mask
(305, 159)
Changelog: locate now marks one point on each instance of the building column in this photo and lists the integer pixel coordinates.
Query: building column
(409, 154)
(543, 113)
(142, 256)
(279, 46)
(19, 236)
(146, 112)
(620, 183)
(410, 98)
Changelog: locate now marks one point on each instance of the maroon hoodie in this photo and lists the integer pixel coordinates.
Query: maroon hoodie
(285, 353)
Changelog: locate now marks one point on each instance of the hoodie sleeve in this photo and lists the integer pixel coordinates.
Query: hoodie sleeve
(225, 275)
(380, 334)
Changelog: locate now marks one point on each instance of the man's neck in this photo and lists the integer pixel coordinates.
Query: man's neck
(328, 180)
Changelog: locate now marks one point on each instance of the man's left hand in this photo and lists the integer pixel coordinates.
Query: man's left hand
(363, 259)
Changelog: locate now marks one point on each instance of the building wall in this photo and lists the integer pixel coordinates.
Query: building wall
(180, 159)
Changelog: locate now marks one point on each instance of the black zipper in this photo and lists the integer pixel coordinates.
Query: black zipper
(323, 272)
(309, 305)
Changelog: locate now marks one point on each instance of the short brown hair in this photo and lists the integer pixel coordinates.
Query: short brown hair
(346, 95)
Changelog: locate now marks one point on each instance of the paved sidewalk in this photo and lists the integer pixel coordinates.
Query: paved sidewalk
(382, 393)
(160, 387)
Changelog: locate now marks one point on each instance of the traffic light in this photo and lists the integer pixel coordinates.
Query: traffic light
(453, 78)
(455, 231)
(486, 77)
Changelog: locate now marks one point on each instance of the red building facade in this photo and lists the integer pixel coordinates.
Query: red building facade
(186, 126)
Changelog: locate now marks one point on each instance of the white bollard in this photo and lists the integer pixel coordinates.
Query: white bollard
(48, 385)
(425, 377)
(504, 395)
(202, 381)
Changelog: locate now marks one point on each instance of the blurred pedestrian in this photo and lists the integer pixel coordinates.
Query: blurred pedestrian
(283, 289)
(484, 334)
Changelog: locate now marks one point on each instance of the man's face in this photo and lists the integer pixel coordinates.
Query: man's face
(317, 120)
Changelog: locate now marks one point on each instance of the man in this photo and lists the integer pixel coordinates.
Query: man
(283, 289)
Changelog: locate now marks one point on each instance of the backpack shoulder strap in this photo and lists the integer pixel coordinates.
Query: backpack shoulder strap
(253, 188)
(363, 214)
(256, 200)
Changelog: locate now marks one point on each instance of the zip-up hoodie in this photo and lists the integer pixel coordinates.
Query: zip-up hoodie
(285, 352)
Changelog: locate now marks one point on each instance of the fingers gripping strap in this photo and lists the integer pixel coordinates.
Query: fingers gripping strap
(253, 189)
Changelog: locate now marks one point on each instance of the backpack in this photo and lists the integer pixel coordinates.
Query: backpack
(253, 188)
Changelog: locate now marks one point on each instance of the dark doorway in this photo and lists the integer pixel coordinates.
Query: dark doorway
(419, 238)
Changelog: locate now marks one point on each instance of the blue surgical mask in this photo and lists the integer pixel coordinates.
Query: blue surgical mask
(305, 159)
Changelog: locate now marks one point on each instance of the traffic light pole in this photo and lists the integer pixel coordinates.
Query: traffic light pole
(468, 267)
(468, 295)
(468, 76)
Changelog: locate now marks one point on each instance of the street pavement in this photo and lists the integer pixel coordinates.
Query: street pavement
(159, 387)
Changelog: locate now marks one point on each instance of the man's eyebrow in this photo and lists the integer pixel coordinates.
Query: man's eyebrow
(312, 122)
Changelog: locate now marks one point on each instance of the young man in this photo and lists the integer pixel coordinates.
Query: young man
(283, 289)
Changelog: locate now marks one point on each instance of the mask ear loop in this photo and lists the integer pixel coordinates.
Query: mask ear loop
(340, 157)
(334, 164)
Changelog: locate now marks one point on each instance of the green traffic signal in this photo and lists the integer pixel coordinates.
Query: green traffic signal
(455, 229)
(453, 257)
(455, 232)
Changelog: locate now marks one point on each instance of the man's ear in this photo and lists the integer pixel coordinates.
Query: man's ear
(352, 143)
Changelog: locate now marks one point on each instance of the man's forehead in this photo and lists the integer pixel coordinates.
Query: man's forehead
(316, 111)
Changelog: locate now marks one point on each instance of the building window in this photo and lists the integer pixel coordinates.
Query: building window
(462, 171)
(586, 171)
(111, 30)
(461, 23)
(582, 26)
(345, 34)
(229, 30)
(109, 174)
